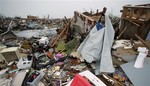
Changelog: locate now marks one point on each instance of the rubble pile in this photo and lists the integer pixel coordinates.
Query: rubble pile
(86, 50)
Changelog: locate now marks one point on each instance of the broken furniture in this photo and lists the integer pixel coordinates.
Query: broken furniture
(11, 54)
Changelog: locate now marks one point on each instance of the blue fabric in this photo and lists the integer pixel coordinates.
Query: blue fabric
(99, 26)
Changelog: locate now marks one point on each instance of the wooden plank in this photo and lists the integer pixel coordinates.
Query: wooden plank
(137, 7)
(122, 26)
(58, 37)
(66, 19)
(64, 32)
(143, 5)
(132, 21)
(117, 57)
(122, 33)
(146, 45)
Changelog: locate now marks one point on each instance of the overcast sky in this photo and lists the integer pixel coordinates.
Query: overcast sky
(61, 8)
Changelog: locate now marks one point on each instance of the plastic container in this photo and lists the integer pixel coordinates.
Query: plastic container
(24, 63)
(35, 78)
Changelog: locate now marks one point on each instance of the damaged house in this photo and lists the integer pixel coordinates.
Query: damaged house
(135, 19)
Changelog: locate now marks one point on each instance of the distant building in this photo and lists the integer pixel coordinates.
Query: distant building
(29, 17)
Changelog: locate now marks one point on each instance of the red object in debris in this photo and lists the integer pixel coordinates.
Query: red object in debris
(80, 81)
(34, 76)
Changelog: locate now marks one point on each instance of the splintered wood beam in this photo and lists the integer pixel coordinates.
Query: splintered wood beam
(64, 32)
(64, 22)
(146, 45)
(58, 37)
(131, 21)
(122, 33)
(66, 19)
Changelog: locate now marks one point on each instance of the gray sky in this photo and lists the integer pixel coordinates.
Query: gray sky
(61, 8)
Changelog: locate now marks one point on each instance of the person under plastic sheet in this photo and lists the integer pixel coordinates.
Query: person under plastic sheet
(101, 22)
(97, 45)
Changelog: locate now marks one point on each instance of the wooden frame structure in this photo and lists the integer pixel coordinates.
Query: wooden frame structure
(137, 20)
